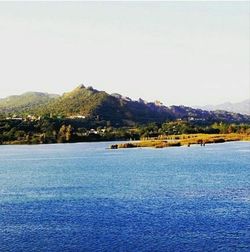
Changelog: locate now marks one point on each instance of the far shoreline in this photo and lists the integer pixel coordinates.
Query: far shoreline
(167, 141)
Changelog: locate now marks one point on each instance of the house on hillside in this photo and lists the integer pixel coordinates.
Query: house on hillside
(77, 117)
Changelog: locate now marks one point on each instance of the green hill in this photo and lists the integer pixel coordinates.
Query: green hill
(80, 101)
(98, 105)
(24, 102)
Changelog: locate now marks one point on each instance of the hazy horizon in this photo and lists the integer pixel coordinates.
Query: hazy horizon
(190, 53)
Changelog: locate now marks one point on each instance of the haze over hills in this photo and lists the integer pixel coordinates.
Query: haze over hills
(239, 107)
(87, 102)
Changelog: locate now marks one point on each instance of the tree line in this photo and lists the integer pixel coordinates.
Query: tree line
(50, 130)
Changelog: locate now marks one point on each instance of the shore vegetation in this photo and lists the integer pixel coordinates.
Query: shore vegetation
(185, 140)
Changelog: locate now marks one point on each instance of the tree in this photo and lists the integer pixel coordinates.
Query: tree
(68, 134)
(65, 133)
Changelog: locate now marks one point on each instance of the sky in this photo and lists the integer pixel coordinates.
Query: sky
(191, 53)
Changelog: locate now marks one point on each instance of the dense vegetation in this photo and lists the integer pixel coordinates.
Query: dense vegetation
(49, 130)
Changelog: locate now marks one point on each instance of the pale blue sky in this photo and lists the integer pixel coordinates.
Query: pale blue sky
(191, 53)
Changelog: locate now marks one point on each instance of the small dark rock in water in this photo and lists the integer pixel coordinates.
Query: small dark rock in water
(114, 146)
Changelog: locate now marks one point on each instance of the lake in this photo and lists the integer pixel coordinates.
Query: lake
(85, 197)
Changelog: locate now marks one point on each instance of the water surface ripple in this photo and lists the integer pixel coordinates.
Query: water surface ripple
(85, 197)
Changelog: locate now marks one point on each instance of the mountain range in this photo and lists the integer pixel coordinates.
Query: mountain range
(89, 103)
(239, 107)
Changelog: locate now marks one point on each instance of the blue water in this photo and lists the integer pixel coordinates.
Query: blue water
(84, 197)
